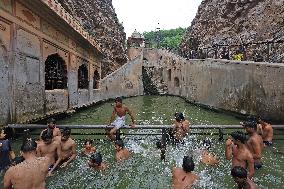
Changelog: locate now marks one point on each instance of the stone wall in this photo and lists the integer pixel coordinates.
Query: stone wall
(241, 87)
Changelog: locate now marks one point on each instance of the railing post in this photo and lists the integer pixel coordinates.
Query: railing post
(221, 134)
(117, 135)
(163, 145)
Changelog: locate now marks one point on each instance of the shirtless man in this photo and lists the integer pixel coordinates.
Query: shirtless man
(206, 157)
(239, 153)
(49, 148)
(96, 162)
(266, 132)
(51, 125)
(181, 127)
(120, 111)
(121, 152)
(183, 177)
(254, 143)
(29, 174)
(239, 175)
(88, 149)
(68, 147)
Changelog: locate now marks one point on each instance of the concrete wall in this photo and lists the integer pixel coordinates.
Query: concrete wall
(242, 87)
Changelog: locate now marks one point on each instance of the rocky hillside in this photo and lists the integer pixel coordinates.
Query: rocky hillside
(99, 18)
(252, 26)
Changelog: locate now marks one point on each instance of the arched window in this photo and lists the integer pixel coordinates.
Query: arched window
(83, 82)
(169, 74)
(55, 73)
(96, 80)
(176, 81)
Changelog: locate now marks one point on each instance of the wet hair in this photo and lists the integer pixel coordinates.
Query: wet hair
(179, 116)
(188, 164)
(207, 144)
(29, 145)
(8, 131)
(97, 158)
(119, 143)
(239, 172)
(118, 99)
(47, 135)
(66, 131)
(51, 120)
(250, 124)
(88, 140)
(238, 135)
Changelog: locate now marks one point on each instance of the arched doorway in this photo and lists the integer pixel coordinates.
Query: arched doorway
(55, 73)
(96, 79)
(83, 82)
(176, 82)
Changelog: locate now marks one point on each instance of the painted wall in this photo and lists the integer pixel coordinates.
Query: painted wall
(242, 87)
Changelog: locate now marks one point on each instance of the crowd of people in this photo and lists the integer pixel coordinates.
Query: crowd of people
(56, 149)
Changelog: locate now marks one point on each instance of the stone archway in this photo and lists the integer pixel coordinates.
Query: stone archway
(83, 82)
(176, 82)
(96, 79)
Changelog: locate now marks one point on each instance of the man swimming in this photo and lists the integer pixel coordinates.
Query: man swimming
(239, 175)
(237, 150)
(52, 126)
(96, 162)
(31, 173)
(206, 157)
(183, 177)
(181, 127)
(254, 143)
(121, 152)
(49, 148)
(88, 148)
(120, 111)
(266, 132)
(68, 147)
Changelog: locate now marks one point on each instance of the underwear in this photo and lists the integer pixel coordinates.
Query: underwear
(119, 122)
(257, 165)
(268, 143)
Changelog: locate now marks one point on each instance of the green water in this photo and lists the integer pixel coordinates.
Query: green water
(144, 169)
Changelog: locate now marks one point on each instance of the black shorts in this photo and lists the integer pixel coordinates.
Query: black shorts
(257, 165)
(268, 143)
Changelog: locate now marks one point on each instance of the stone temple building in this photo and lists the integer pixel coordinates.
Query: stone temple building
(48, 62)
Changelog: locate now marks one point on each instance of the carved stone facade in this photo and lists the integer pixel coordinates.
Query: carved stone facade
(41, 49)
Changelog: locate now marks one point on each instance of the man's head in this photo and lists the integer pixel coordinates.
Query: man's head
(179, 116)
(249, 126)
(119, 145)
(29, 146)
(118, 100)
(51, 123)
(2, 133)
(88, 143)
(97, 159)
(47, 136)
(239, 175)
(65, 134)
(188, 164)
(239, 136)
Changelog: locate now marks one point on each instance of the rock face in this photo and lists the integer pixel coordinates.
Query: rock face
(252, 26)
(98, 17)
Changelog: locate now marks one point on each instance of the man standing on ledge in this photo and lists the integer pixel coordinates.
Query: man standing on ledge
(120, 110)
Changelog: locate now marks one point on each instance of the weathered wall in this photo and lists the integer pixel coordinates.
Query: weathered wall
(242, 87)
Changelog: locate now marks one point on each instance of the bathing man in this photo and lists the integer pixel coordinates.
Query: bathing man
(29, 174)
(254, 143)
(206, 157)
(52, 126)
(121, 152)
(68, 147)
(266, 132)
(237, 150)
(96, 162)
(239, 175)
(88, 148)
(120, 111)
(181, 127)
(49, 148)
(183, 177)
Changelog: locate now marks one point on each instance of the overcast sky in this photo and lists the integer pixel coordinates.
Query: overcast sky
(144, 15)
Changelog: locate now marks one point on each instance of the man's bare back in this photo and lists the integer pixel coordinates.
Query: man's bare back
(52, 150)
(123, 154)
(181, 179)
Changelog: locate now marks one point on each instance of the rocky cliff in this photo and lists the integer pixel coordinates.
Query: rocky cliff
(254, 27)
(98, 17)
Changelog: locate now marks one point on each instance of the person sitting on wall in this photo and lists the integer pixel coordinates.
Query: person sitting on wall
(181, 127)
(121, 152)
(120, 111)
(96, 162)
(266, 132)
(183, 177)
(68, 147)
(7, 155)
(51, 124)
(88, 148)
(240, 176)
(206, 157)
(254, 143)
(29, 174)
(237, 151)
(49, 148)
